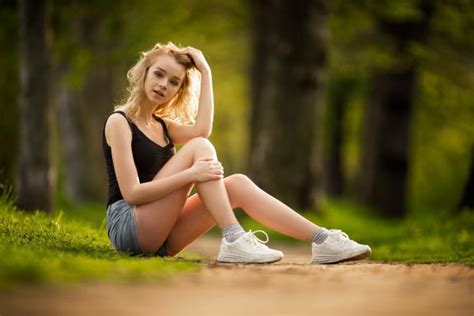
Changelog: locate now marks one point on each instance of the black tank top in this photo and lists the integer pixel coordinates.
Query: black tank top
(149, 157)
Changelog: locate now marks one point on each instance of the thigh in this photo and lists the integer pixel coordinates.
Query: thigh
(154, 220)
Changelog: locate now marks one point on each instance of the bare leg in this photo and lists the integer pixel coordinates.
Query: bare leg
(267, 210)
(156, 219)
(195, 220)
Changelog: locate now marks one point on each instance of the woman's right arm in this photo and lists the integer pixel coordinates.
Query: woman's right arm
(119, 138)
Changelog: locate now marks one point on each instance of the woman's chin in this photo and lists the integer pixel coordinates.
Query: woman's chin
(155, 101)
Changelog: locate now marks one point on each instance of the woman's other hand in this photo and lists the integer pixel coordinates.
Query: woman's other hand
(207, 169)
(198, 59)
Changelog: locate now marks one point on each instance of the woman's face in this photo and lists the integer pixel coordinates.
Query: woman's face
(163, 79)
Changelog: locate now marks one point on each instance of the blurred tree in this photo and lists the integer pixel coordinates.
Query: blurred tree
(34, 181)
(340, 89)
(87, 37)
(289, 58)
(385, 160)
(467, 198)
(442, 112)
(9, 120)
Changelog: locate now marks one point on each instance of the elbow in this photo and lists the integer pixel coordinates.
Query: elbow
(129, 200)
(130, 197)
(204, 133)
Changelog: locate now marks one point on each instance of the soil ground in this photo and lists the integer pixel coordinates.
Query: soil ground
(289, 287)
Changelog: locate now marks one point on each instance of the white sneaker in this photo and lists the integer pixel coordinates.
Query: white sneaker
(248, 249)
(338, 247)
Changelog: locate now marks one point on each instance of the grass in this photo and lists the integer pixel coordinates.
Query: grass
(69, 247)
(72, 245)
(420, 238)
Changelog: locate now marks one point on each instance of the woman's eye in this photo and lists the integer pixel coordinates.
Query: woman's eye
(158, 74)
(174, 83)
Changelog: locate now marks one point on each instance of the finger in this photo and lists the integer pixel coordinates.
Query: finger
(207, 158)
(216, 172)
(211, 177)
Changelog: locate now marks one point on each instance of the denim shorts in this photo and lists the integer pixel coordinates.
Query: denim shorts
(122, 230)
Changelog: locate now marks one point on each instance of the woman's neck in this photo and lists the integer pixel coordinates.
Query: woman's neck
(145, 113)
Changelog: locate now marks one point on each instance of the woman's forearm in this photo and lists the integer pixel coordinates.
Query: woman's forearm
(205, 114)
(142, 193)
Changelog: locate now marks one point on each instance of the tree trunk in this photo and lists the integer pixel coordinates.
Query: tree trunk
(289, 57)
(467, 199)
(34, 181)
(83, 107)
(9, 90)
(72, 140)
(81, 114)
(339, 92)
(385, 160)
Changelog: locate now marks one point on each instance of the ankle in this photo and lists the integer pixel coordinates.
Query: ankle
(319, 235)
(233, 232)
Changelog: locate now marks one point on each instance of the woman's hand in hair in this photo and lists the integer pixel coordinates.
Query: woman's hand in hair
(198, 59)
(207, 169)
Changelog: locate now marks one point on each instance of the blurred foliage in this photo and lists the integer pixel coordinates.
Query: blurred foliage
(73, 245)
(442, 128)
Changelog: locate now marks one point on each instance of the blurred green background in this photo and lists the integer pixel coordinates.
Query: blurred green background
(357, 47)
(93, 45)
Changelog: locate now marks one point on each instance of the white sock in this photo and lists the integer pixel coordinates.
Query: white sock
(320, 235)
(232, 232)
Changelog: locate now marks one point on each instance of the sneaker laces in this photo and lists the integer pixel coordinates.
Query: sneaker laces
(342, 236)
(257, 242)
(339, 232)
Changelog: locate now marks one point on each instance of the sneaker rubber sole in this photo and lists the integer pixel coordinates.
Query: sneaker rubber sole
(244, 260)
(352, 256)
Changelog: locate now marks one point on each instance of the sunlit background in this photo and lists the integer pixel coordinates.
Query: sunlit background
(358, 47)
(358, 114)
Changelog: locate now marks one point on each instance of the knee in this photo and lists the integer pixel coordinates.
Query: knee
(238, 187)
(200, 143)
(238, 180)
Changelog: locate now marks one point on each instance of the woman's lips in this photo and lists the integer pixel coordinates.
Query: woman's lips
(159, 93)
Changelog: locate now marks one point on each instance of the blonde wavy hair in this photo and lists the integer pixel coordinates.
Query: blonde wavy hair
(182, 107)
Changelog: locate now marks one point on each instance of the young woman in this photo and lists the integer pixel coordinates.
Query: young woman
(149, 211)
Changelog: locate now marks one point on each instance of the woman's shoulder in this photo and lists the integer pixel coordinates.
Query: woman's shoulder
(117, 117)
(117, 123)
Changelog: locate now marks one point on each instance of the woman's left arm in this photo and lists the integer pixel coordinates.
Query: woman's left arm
(180, 133)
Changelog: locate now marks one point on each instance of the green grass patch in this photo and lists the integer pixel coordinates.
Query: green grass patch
(70, 247)
(436, 238)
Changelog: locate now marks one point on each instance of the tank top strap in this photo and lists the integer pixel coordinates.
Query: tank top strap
(165, 128)
(130, 123)
(124, 115)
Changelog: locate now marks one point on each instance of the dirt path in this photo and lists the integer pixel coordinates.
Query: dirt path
(290, 287)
